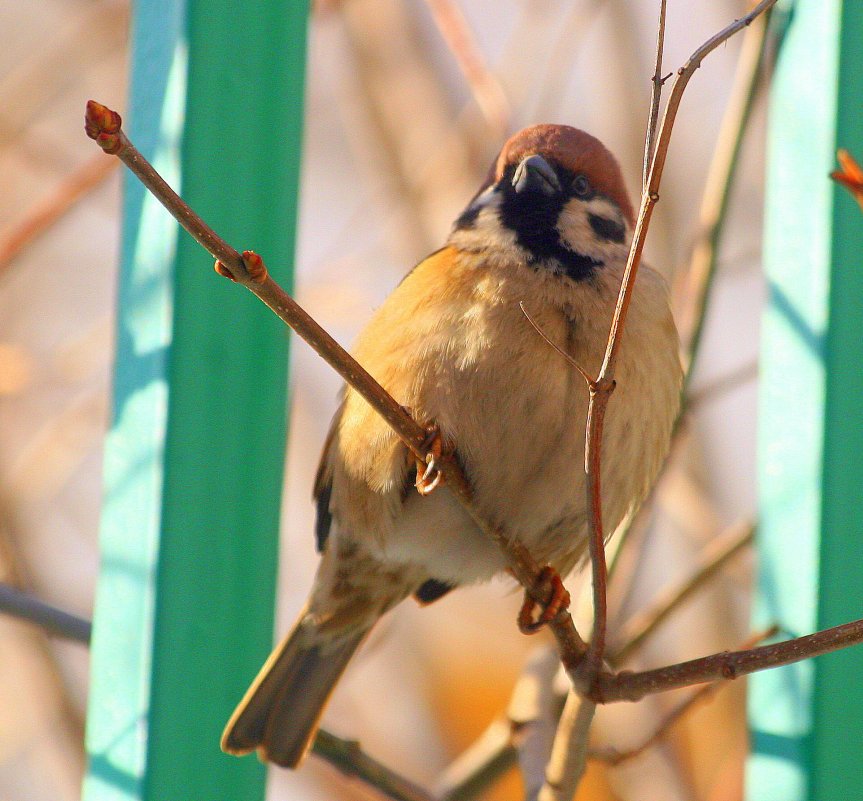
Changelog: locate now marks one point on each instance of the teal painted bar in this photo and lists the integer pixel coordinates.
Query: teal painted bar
(807, 719)
(193, 465)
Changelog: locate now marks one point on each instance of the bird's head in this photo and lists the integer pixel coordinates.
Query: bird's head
(555, 199)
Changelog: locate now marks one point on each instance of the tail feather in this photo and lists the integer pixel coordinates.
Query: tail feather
(279, 714)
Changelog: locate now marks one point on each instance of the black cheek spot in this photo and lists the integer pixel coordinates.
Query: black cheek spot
(604, 228)
(431, 590)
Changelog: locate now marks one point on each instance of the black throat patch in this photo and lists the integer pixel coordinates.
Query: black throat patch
(533, 216)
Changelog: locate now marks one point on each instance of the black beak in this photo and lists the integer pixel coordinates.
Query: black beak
(535, 174)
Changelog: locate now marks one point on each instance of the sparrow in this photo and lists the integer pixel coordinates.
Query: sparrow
(549, 230)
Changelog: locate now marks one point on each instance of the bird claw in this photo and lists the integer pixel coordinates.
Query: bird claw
(558, 600)
(429, 474)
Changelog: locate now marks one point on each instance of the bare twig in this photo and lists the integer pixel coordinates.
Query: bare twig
(525, 733)
(485, 87)
(721, 385)
(569, 754)
(720, 178)
(850, 176)
(495, 751)
(52, 208)
(488, 758)
(614, 757)
(345, 755)
(628, 686)
(104, 126)
(603, 387)
(24, 606)
(572, 362)
(720, 551)
(350, 759)
(657, 82)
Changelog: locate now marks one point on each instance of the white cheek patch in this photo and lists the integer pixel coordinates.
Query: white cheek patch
(574, 228)
(603, 207)
(486, 231)
(577, 233)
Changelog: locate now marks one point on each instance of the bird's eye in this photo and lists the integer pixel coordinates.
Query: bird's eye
(581, 186)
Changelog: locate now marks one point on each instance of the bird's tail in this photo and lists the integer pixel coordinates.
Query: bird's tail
(279, 714)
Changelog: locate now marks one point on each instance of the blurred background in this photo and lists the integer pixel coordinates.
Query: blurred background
(398, 133)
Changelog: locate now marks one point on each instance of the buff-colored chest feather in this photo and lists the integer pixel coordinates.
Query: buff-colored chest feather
(458, 350)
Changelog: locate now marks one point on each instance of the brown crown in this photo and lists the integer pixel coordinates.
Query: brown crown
(573, 149)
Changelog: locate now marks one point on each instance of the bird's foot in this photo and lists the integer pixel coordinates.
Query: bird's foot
(429, 474)
(548, 581)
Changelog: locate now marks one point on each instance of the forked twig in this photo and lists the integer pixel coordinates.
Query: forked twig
(720, 551)
(604, 385)
(614, 757)
(657, 82)
(720, 178)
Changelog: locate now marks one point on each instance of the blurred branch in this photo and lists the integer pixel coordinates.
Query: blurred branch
(850, 176)
(497, 748)
(486, 88)
(569, 754)
(720, 551)
(615, 757)
(724, 383)
(392, 78)
(481, 764)
(720, 178)
(349, 758)
(345, 755)
(525, 733)
(52, 208)
(24, 606)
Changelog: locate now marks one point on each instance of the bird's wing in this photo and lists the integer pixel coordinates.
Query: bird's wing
(323, 487)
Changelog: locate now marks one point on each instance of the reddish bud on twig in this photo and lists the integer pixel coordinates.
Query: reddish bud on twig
(103, 125)
(850, 176)
(255, 266)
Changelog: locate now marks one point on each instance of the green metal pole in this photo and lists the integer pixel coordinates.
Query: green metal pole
(807, 719)
(193, 465)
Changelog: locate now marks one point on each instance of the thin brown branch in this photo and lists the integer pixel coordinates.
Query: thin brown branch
(351, 760)
(720, 551)
(720, 178)
(629, 686)
(572, 362)
(614, 757)
(104, 126)
(657, 82)
(484, 86)
(52, 208)
(604, 385)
